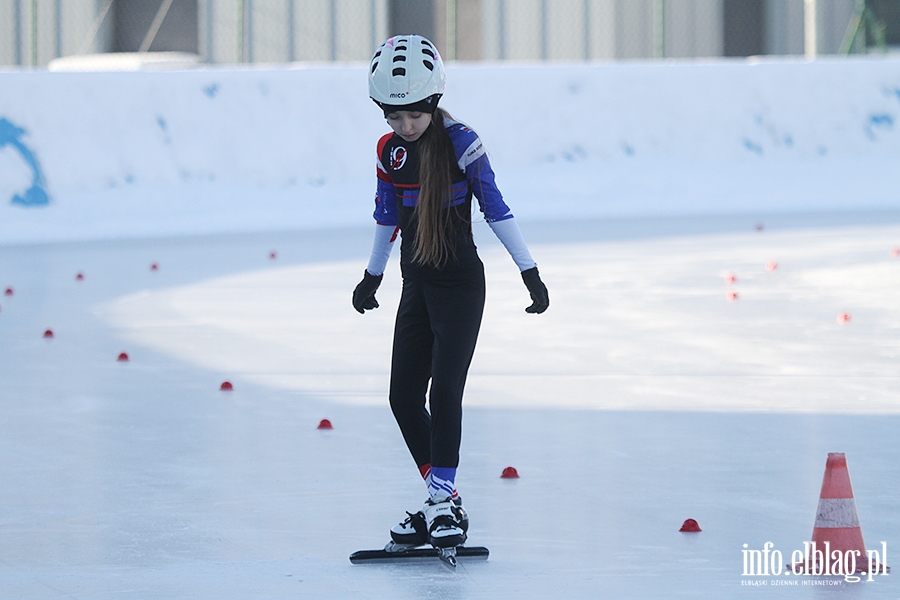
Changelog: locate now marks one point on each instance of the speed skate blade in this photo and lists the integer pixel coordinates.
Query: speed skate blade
(462, 552)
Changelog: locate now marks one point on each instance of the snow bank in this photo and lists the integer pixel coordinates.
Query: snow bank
(102, 155)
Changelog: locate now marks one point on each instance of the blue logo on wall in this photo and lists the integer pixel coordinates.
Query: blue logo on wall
(36, 195)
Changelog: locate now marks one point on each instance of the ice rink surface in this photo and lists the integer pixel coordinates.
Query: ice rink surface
(643, 397)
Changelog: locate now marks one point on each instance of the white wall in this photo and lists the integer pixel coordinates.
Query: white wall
(145, 154)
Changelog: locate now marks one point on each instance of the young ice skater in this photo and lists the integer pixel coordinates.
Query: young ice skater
(429, 168)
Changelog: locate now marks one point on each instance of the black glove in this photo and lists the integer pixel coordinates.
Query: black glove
(540, 299)
(364, 294)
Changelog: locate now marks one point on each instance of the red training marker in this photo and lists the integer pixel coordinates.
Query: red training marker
(760, 226)
(843, 318)
(730, 278)
(325, 424)
(48, 334)
(509, 473)
(273, 255)
(123, 357)
(79, 277)
(226, 386)
(690, 526)
(154, 267)
(9, 292)
(895, 251)
(732, 296)
(771, 265)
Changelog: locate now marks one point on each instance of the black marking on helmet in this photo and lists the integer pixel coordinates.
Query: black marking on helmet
(426, 43)
(374, 65)
(399, 58)
(399, 71)
(428, 65)
(377, 54)
(428, 52)
(399, 48)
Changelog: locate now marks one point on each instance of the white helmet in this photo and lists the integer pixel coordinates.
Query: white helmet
(406, 69)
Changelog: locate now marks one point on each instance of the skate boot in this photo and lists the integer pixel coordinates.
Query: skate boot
(443, 519)
(411, 532)
(461, 514)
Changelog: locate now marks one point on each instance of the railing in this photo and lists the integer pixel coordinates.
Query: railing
(33, 32)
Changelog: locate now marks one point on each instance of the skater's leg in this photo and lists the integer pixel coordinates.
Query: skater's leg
(455, 319)
(450, 319)
(410, 372)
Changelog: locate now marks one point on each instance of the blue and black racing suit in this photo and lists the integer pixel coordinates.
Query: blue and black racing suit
(440, 309)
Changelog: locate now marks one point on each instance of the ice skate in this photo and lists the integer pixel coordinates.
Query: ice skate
(443, 518)
(412, 532)
(409, 533)
(449, 526)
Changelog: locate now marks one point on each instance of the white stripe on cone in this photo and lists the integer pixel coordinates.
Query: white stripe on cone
(837, 512)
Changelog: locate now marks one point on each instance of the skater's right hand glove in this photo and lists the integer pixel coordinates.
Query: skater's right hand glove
(540, 299)
(364, 294)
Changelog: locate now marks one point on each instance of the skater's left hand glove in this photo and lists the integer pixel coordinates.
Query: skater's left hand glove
(364, 294)
(540, 299)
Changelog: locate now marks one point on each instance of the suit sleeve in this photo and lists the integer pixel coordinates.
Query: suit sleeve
(473, 161)
(507, 231)
(385, 195)
(381, 248)
(385, 217)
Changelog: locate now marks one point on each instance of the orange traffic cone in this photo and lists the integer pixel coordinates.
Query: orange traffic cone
(837, 527)
(837, 521)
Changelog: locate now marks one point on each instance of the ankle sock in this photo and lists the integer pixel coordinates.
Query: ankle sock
(441, 481)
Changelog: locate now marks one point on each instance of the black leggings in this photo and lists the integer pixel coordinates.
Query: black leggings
(434, 338)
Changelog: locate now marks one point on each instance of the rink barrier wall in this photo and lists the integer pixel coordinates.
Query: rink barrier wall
(98, 155)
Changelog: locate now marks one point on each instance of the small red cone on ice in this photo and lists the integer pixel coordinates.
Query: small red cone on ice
(48, 334)
(509, 473)
(273, 255)
(732, 296)
(226, 386)
(837, 524)
(730, 278)
(9, 292)
(123, 357)
(843, 318)
(79, 277)
(771, 265)
(760, 226)
(154, 267)
(325, 424)
(895, 251)
(690, 526)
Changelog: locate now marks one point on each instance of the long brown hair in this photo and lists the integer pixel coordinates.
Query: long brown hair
(435, 245)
